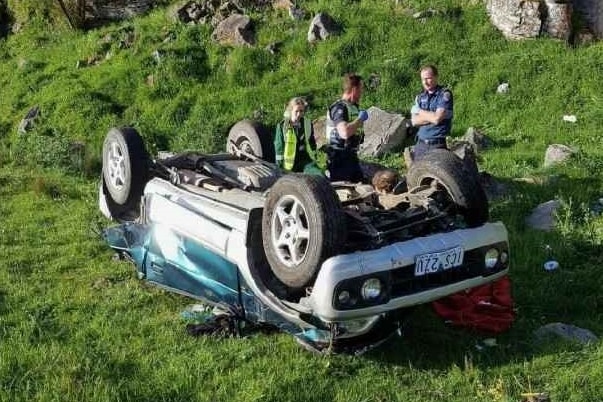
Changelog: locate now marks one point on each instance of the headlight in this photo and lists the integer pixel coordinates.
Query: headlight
(371, 289)
(491, 258)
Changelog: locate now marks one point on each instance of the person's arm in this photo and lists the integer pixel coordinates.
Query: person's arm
(279, 145)
(345, 129)
(426, 117)
(420, 117)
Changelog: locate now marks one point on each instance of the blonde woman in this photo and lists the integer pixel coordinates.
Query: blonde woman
(294, 142)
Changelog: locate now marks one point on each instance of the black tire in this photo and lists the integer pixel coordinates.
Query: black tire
(303, 224)
(125, 171)
(447, 170)
(252, 137)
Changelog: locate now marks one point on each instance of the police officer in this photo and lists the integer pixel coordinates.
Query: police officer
(344, 130)
(294, 142)
(432, 113)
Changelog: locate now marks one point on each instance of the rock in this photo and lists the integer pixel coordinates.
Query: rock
(543, 216)
(373, 81)
(516, 19)
(235, 30)
(29, 120)
(320, 127)
(282, 4)
(557, 153)
(473, 136)
(296, 14)
(321, 27)
(567, 332)
(558, 20)
(383, 132)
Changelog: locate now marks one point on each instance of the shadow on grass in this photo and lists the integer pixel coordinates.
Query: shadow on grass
(3, 308)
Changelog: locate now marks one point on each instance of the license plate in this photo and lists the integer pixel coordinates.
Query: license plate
(440, 261)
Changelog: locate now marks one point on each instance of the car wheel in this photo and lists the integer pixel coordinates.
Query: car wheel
(302, 225)
(445, 170)
(251, 137)
(125, 171)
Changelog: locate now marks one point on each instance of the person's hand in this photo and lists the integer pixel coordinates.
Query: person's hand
(363, 115)
(415, 110)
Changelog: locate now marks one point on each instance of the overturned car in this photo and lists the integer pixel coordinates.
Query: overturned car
(338, 265)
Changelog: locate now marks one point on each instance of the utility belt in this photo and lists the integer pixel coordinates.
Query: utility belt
(339, 149)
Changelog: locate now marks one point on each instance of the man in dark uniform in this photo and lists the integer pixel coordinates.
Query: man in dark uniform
(432, 113)
(344, 130)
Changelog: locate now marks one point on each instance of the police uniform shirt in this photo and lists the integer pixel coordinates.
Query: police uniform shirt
(339, 113)
(441, 98)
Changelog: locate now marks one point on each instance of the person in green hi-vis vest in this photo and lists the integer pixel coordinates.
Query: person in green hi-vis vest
(294, 142)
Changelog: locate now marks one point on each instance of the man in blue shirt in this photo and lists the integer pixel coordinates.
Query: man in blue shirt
(432, 113)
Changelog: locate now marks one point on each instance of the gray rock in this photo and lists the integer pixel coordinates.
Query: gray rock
(558, 21)
(320, 126)
(321, 27)
(29, 120)
(235, 30)
(296, 14)
(478, 140)
(543, 216)
(557, 153)
(566, 331)
(383, 132)
(516, 19)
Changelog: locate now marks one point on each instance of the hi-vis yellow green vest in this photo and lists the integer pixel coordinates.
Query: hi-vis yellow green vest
(291, 143)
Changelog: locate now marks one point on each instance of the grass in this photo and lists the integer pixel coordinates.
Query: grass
(76, 325)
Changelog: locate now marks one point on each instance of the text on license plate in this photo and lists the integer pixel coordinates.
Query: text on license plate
(440, 261)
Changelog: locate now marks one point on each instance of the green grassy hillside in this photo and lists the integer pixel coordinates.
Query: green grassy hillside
(75, 325)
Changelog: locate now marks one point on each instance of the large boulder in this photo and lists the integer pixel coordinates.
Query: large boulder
(516, 19)
(383, 132)
(519, 19)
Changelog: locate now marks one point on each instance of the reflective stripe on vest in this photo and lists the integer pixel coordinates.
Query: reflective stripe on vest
(291, 143)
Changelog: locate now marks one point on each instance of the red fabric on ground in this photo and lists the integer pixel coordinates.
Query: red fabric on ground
(487, 308)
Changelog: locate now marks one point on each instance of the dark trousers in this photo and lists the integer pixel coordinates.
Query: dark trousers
(343, 165)
(424, 146)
